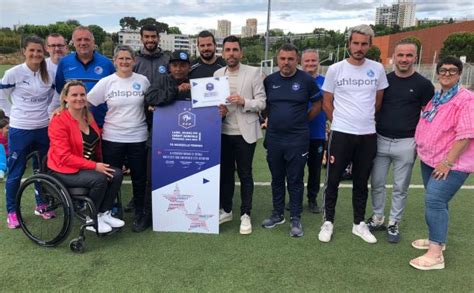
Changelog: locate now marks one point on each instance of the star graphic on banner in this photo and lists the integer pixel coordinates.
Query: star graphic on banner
(177, 200)
(198, 220)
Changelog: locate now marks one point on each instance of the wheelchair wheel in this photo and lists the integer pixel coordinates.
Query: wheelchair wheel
(51, 224)
(77, 245)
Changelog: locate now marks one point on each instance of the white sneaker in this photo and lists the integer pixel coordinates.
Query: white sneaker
(111, 221)
(224, 217)
(362, 230)
(103, 226)
(245, 224)
(326, 232)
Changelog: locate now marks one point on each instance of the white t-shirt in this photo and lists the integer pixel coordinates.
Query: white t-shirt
(125, 98)
(30, 97)
(52, 68)
(354, 88)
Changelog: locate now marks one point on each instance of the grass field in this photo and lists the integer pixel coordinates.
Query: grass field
(265, 261)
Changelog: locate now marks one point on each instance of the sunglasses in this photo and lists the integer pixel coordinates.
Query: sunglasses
(445, 71)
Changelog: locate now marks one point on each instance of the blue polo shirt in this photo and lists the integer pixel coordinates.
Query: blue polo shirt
(317, 126)
(71, 68)
(287, 106)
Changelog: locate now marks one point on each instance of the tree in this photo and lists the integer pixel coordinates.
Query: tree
(73, 22)
(174, 30)
(128, 22)
(459, 44)
(373, 53)
(99, 34)
(161, 26)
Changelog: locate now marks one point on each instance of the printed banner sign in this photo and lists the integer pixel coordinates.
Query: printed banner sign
(186, 168)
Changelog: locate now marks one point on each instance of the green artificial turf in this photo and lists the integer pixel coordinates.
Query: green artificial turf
(265, 261)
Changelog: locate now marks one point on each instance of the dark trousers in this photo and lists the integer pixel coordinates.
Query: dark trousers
(114, 153)
(236, 153)
(102, 189)
(315, 160)
(21, 142)
(287, 162)
(148, 181)
(344, 148)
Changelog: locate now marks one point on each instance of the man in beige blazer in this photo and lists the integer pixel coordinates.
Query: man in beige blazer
(240, 131)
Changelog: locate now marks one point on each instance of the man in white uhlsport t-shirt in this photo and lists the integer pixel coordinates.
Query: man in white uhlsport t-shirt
(353, 91)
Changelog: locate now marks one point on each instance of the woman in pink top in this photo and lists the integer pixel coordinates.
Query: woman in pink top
(444, 144)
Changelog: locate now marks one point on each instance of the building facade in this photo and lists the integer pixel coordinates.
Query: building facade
(250, 28)
(223, 28)
(402, 14)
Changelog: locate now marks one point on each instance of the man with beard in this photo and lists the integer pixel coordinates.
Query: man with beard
(287, 138)
(240, 132)
(353, 92)
(152, 63)
(396, 122)
(208, 62)
(150, 60)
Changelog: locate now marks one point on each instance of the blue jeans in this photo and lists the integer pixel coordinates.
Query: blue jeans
(438, 193)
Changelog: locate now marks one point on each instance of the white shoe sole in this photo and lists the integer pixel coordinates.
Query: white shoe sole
(246, 231)
(355, 232)
(225, 220)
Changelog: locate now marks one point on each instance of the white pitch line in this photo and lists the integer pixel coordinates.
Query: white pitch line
(413, 186)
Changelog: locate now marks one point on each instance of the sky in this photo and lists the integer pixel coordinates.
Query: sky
(192, 16)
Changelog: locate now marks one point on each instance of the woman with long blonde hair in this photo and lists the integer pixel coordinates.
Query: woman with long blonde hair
(75, 156)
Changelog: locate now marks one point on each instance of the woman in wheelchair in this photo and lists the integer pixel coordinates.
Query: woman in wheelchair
(74, 156)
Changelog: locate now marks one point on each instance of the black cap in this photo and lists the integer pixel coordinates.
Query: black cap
(180, 55)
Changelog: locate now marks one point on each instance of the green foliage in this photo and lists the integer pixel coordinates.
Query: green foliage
(129, 22)
(7, 50)
(161, 26)
(99, 34)
(459, 44)
(373, 53)
(9, 39)
(174, 30)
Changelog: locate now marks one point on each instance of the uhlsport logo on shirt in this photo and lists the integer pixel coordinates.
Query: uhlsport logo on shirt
(162, 69)
(295, 86)
(370, 73)
(136, 86)
(98, 70)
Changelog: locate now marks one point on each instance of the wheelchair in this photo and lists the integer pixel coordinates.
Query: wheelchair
(65, 203)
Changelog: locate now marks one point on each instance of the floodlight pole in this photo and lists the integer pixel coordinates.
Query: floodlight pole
(267, 34)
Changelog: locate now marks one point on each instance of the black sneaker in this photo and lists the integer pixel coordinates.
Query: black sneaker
(313, 207)
(393, 234)
(141, 222)
(129, 207)
(273, 221)
(375, 225)
(296, 229)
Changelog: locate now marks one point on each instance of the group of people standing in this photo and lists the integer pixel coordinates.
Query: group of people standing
(375, 123)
